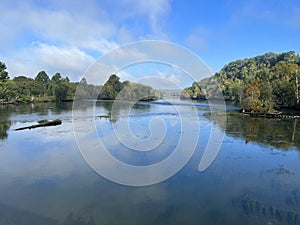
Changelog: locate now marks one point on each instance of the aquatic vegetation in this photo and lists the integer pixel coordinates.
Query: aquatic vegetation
(281, 170)
(294, 199)
(105, 116)
(255, 208)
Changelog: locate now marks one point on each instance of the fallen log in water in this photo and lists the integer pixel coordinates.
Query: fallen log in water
(43, 124)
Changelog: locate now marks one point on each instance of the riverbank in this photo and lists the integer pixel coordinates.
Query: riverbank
(281, 114)
(33, 100)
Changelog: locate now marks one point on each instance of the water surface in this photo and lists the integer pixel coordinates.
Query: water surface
(255, 178)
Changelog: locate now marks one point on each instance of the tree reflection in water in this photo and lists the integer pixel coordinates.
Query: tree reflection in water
(278, 133)
(5, 123)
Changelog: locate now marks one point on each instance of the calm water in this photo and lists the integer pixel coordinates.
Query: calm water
(255, 178)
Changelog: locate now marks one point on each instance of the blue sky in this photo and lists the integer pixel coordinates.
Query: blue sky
(68, 36)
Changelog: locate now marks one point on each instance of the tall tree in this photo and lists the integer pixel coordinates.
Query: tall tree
(3, 74)
(42, 77)
(42, 80)
(61, 91)
(56, 77)
(252, 101)
(111, 88)
(24, 86)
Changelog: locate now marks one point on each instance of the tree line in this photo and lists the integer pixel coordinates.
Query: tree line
(115, 89)
(42, 88)
(258, 84)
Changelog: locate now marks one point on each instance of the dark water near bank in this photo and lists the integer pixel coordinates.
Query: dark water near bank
(44, 180)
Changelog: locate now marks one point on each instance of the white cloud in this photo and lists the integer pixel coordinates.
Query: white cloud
(69, 61)
(64, 37)
(125, 35)
(71, 34)
(62, 26)
(170, 77)
(155, 11)
(125, 76)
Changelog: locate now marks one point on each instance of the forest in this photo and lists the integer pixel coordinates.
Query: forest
(42, 88)
(263, 84)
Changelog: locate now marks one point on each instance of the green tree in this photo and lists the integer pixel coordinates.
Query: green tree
(285, 83)
(194, 92)
(196, 89)
(273, 77)
(7, 91)
(51, 89)
(3, 74)
(111, 88)
(43, 81)
(252, 101)
(24, 87)
(266, 96)
(284, 92)
(56, 78)
(42, 77)
(284, 70)
(82, 89)
(61, 91)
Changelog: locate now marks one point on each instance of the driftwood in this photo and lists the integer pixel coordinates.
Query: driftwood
(43, 124)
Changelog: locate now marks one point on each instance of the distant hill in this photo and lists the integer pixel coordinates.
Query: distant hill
(259, 84)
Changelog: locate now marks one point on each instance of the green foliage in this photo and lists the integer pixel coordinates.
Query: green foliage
(111, 88)
(61, 91)
(258, 84)
(252, 99)
(7, 91)
(194, 92)
(43, 81)
(114, 89)
(86, 91)
(61, 88)
(3, 74)
(24, 87)
(284, 92)
(42, 77)
(41, 88)
(56, 78)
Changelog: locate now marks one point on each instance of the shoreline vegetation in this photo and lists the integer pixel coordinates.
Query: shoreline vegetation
(42, 88)
(261, 86)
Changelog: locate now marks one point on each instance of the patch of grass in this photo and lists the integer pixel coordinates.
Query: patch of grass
(105, 116)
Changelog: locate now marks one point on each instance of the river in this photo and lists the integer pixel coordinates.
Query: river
(46, 180)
